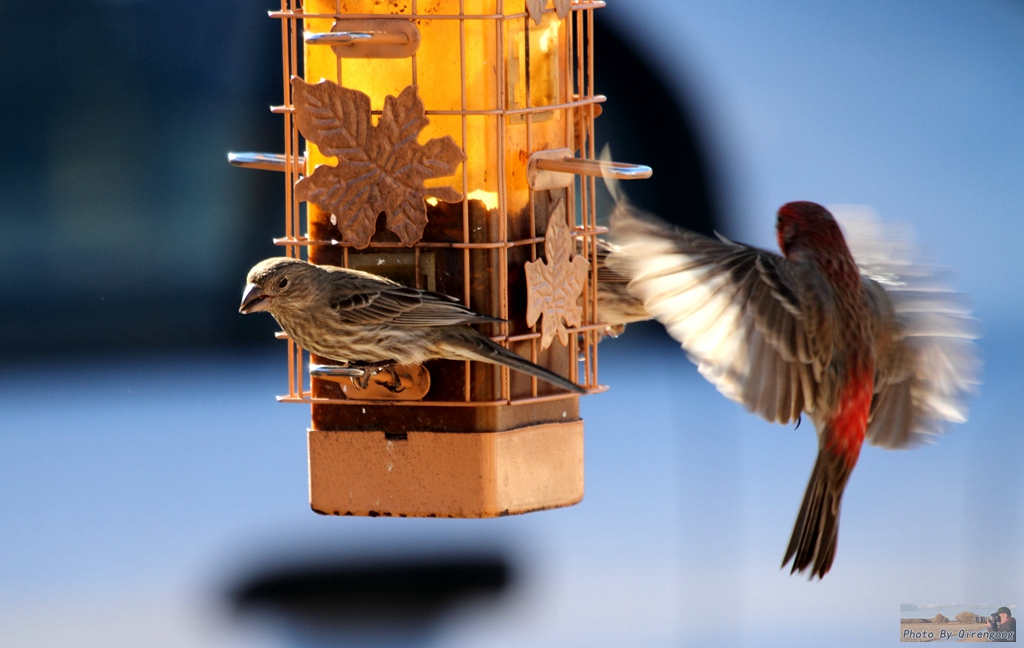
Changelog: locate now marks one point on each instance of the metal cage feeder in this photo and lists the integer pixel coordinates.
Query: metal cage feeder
(508, 85)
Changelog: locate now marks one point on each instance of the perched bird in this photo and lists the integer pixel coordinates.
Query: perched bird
(365, 319)
(876, 351)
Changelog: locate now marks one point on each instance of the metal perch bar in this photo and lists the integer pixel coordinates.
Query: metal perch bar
(557, 169)
(597, 168)
(353, 38)
(264, 161)
(319, 370)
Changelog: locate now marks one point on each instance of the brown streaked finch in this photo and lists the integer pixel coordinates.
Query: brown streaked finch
(876, 351)
(357, 317)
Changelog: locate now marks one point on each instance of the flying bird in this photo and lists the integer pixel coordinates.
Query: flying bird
(367, 320)
(866, 343)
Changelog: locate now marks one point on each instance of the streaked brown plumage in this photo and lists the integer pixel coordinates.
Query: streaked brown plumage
(357, 317)
(867, 347)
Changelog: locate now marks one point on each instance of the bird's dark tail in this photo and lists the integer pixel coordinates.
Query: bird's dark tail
(816, 531)
(477, 346)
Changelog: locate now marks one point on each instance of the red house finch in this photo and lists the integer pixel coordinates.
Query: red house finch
(357, 317)
(875, 351)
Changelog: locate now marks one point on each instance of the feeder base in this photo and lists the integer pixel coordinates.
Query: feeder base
(446, 474)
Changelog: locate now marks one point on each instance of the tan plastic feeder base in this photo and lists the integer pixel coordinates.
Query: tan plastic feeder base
(446, 474)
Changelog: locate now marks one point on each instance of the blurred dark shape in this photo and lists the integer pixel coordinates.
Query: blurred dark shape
(376, 601)
(121, 224)
(644, 122)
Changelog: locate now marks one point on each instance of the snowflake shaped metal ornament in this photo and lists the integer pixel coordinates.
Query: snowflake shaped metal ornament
(380, 168)
(535, 9)
(554, 286)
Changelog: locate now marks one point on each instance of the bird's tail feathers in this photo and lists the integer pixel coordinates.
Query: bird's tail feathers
(816, 531)
(477, 346)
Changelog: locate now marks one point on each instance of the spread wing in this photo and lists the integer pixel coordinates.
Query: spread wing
(925, 356)
(757, 326)
(367, 299)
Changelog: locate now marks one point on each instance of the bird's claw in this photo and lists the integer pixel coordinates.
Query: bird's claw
(395, 384)
(362, 382)
(371, 370)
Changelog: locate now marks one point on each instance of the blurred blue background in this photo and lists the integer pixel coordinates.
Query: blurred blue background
(146, 470)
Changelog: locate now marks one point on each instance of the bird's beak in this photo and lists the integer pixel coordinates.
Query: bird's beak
(253, 300)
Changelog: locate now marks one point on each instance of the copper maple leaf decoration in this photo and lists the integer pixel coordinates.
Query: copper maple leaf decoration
(380, 168)
(535, 8)
(554, 286)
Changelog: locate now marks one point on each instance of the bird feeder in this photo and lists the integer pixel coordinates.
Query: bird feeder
(447, 145)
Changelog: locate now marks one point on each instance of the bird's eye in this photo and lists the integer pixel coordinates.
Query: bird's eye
(283, 282)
